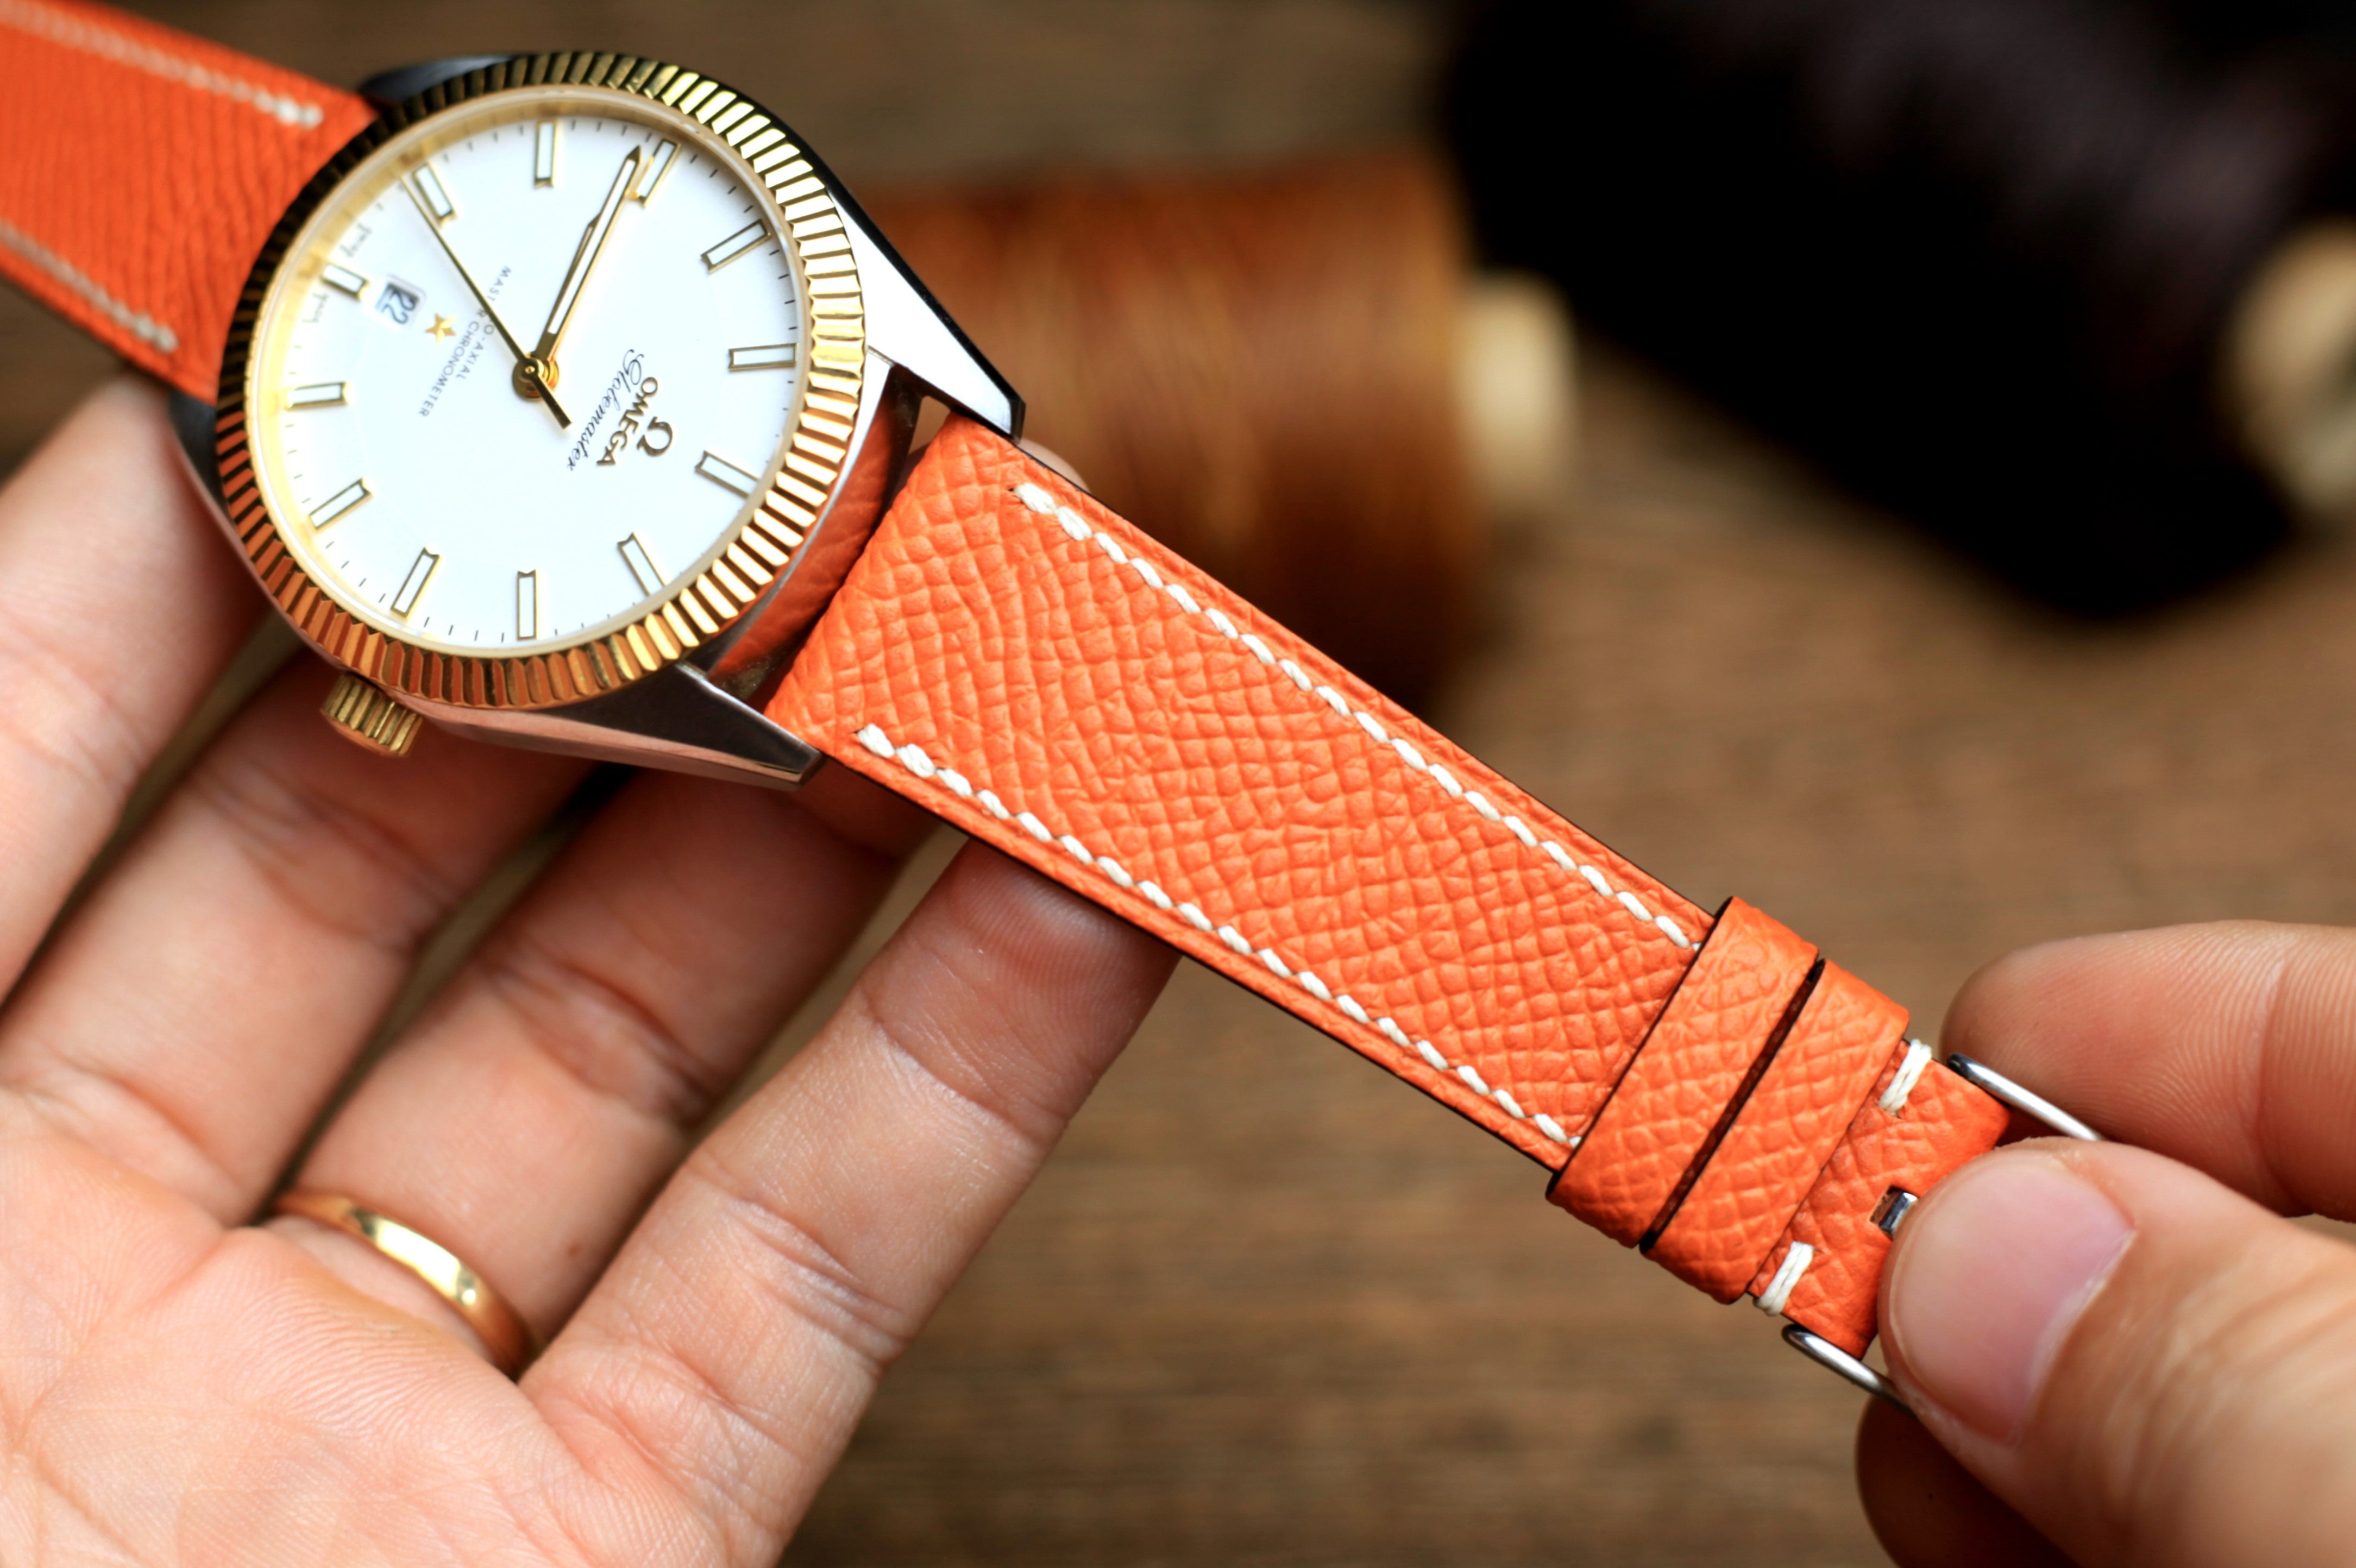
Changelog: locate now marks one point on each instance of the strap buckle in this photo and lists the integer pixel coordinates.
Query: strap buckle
(1997, 1087)
(2003, 1090)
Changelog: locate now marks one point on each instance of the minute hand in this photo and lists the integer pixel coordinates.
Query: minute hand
(593, 242)
(524, 360)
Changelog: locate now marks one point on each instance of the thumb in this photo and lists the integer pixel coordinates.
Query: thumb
(2148, 1367)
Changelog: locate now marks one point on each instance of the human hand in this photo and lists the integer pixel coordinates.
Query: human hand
(180, 1385)
(2128, 1345)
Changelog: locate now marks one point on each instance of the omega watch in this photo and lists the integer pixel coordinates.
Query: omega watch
(566, 400)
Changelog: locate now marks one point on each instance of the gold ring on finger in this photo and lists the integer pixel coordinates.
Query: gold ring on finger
(506, 1338)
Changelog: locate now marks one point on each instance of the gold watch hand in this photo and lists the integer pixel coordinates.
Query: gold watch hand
(592, 244)
(527, 369)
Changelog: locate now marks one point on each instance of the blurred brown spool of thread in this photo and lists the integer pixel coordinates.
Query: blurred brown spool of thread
(2287, 381)
(1289, 377)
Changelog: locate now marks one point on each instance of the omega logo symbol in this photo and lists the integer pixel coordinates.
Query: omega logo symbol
(654, 436)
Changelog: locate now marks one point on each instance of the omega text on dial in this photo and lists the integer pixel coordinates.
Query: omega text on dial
(524, 370)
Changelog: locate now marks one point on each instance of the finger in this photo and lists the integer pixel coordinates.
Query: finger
(1927, 1510)
(526, 1121)
(2230, 1047)
(121, 602)
(724, 1359)
(2148, 1367)
(194, 1012)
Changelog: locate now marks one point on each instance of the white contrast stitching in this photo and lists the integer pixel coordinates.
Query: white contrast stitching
(145, 328)
(1037, 499)
(66, 31)
(1778, 1293)
(1910, 1072)
(907, 757)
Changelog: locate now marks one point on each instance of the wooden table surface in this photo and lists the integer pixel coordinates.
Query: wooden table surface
(1267, 1307)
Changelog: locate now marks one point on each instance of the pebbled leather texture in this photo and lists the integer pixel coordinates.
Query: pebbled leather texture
(1014, 657)
(1941, 1123)
(145, 169)
(1017, 658)
(1780, 1139)
(1673, 1096)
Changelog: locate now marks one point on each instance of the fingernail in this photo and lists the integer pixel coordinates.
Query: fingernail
(1992, 1272)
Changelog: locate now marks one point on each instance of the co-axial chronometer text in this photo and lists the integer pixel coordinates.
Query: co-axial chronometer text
(533, 395)
(429, 450)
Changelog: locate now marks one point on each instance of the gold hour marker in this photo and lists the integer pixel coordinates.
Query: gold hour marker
(337, 505)
(343, 278)
(726, 474)
(527, 605)
(651, 172)
(543, 154)
(768, 357)
(437, 200)
(323, 394)
(641, 562)
(735, 245)
(413, 587)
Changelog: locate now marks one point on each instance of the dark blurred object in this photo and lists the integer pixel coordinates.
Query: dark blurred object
(1262, 370)
(1980, 256)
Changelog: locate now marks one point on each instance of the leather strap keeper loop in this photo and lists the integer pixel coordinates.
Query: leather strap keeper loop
(1941, 1124)
(1846, 1036)
(1675, 1097)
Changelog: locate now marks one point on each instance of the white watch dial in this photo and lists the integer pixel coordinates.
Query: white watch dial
(633, 266)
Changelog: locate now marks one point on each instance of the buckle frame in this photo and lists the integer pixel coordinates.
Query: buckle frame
(1997, 1087)
(2005, 1092)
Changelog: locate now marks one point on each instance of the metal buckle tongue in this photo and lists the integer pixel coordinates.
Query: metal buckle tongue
(1997, 1087)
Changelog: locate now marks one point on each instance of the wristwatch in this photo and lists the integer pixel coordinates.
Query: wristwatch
(566, 400)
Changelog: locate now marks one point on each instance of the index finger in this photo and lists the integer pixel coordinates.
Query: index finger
(2230, 1047)
(725, 1358)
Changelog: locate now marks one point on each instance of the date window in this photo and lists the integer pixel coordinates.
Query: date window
(399, 300)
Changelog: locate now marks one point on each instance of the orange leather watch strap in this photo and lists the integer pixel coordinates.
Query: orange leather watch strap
(1021, 660)
(1905, 1138)
(1782, 1135)
(1012, 656)
(144, 170)
(1673, 1097)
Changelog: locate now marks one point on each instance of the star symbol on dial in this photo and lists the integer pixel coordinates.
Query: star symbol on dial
(442, 327)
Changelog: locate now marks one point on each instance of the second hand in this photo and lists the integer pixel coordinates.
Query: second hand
(525, 362)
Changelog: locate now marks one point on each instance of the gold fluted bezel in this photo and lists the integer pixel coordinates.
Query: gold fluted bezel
(751, 555)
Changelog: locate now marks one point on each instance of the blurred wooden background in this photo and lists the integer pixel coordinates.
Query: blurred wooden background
(1265, 1307)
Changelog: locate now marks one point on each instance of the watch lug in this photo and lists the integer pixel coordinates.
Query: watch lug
(192, 426)
(401, 84)
(906, 325)
(674, 718)
(750, 658)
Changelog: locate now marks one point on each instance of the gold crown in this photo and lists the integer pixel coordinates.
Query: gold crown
(366, 716)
